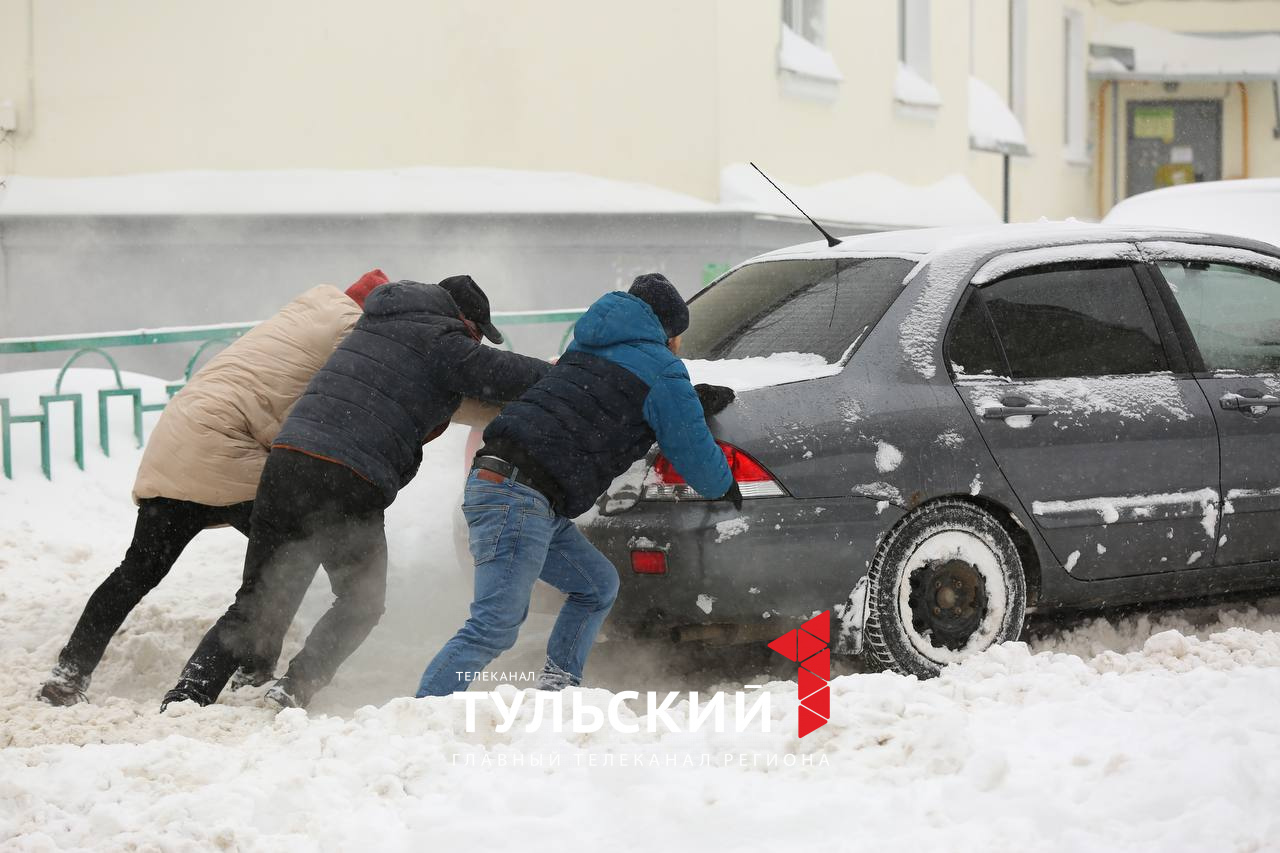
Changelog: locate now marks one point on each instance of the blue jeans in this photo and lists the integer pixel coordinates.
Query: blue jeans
(516, 539)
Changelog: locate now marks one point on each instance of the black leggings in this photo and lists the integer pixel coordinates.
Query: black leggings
(308, 511)
(163, 530)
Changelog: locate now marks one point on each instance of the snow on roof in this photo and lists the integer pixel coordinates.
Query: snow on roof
(1245, 208)
(978, 240)
(870, 198)
(992, 125)
(425, 189)
(798, 54)
(1160, 54)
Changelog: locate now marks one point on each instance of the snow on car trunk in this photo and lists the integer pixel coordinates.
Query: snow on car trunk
(744, 374)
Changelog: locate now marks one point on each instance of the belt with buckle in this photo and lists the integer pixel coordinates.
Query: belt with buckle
(497, 470)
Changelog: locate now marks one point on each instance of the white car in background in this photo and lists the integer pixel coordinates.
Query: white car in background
(1242, 208)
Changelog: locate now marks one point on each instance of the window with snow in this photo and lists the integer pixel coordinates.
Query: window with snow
(1233, 312)
(914, 84)
(1059, 323)
(1074, 102)
(805, 66)
(807, 19)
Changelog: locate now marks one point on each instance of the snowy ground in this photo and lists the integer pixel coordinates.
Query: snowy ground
(1150, 732)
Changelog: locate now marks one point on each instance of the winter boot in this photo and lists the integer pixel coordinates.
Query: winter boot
(66, 686)
(247, 676)
(185, 691)
(286, 693)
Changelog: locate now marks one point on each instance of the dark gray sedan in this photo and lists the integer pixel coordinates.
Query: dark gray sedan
(981, 423)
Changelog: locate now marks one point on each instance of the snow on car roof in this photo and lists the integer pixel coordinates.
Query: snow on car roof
(934, 243)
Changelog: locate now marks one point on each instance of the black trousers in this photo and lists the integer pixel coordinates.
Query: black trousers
(308, 511)
(163, 530)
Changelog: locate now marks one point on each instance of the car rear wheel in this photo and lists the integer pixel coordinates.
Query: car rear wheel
(946, 583)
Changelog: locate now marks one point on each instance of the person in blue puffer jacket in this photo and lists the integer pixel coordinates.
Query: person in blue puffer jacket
(547, 458)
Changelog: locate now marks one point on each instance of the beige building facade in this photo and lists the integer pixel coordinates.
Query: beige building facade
(665, 92)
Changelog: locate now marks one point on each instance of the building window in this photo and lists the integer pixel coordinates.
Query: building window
(914, 84)
(807, 19)
(1074, 105)
(805, 68)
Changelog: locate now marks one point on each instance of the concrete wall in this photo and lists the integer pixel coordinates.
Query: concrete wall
(68, 274)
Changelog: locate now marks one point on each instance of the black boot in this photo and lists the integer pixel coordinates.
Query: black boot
(287, 693)
(66, 686)
(185, 691)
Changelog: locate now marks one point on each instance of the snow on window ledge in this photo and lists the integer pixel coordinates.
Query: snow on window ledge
(806, 70)
(1076, 157)
(992, 125)
(916, 96)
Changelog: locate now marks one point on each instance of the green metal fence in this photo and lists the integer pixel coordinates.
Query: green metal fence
(208, 337)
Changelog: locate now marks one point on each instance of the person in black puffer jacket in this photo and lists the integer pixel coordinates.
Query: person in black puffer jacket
(353, 440)
(549, 455)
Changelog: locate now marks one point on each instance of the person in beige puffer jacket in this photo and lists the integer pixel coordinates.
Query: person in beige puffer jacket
(204, 458)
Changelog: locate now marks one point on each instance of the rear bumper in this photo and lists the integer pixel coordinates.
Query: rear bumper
(795, 558)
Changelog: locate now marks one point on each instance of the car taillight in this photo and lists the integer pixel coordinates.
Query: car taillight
(754, 480)
(649, 562)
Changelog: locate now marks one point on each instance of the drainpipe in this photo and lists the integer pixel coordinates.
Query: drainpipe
(1115, 141)
(1005, 158)
(1244, 129)
(1275, 96)
(1102, 121)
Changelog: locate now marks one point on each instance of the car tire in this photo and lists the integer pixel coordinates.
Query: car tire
(946, 583)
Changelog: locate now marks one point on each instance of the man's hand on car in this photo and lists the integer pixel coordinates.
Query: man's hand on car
(733, 496)
(714, 398)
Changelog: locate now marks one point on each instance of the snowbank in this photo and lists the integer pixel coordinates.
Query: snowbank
(424, 189)
(1148, 733)
(869, 198)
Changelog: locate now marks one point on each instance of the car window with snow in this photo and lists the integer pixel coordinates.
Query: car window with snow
(1233, 312)
(808, 306)
(973, 349)
(1074, 322)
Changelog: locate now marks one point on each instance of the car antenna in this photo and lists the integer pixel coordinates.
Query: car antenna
(831, 241)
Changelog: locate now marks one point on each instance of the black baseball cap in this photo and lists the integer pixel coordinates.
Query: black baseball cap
(473, 304)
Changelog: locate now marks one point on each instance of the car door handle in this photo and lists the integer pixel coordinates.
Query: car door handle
(1237, 402)
(1013, 406)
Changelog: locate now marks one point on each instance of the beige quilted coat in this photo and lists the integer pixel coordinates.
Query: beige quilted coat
(212, 439)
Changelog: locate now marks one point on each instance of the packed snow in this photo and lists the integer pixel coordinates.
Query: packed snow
(888, 457)
(1147, 732)
(869, 198)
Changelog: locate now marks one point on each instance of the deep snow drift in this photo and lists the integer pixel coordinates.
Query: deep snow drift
(1147, 733)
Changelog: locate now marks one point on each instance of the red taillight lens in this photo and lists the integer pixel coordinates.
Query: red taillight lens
(665, 482)
(649, 562)
(744, 468)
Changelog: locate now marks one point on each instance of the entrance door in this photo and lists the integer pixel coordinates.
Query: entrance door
(1173, 142)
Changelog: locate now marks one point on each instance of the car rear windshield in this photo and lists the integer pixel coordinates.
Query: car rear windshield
(810, 306)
